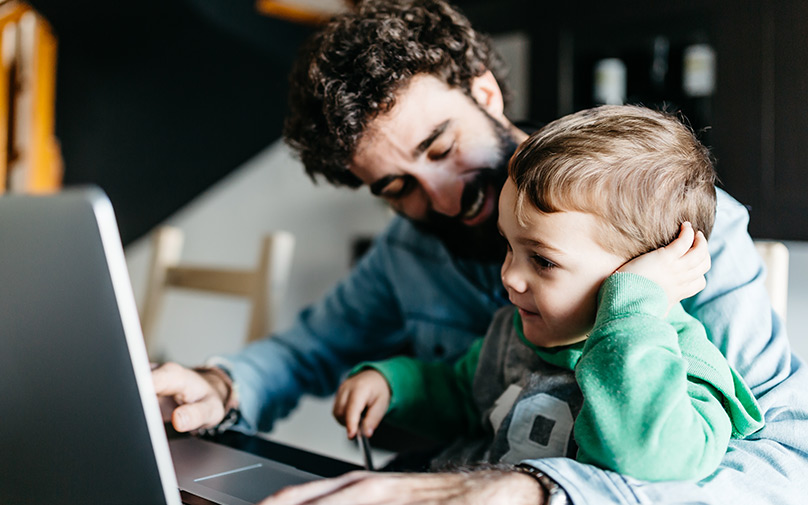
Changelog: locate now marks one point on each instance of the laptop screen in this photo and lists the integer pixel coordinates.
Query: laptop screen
(80, 420)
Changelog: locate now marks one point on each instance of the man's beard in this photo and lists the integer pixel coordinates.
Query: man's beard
(481, 242)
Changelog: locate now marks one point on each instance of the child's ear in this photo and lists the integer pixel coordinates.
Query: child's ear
(486, 91)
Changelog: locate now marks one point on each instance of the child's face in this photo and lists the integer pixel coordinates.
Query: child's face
(553, 270)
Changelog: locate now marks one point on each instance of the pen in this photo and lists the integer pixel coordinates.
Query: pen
(365, 445)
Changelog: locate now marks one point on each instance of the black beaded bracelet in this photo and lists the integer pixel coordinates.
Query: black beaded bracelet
(554, 493)
(232, 413)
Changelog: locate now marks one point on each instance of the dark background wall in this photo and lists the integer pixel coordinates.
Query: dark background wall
(159, 99)
(755, 122)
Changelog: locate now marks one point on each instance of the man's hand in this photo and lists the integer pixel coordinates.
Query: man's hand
(190, 399)
(366, 392)
(678, 267)
(482, 487)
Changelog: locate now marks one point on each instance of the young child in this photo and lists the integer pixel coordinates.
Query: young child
(605, 214)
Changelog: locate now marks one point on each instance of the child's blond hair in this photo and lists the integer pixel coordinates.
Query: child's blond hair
(640, 171)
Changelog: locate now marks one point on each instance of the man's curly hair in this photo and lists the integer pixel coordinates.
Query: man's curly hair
(349, 73)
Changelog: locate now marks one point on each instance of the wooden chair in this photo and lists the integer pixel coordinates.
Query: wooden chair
(261, 285)
(775, 257)
(30, 159)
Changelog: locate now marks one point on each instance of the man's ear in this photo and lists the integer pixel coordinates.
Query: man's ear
(486, 91)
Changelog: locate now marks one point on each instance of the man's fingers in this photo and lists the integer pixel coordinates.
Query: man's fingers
(171, 379)
(309, 492)
(185, 418)
(167, 406)
(193, 416)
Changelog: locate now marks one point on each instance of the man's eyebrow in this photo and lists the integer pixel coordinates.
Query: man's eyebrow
(377, 187)
(436, 132)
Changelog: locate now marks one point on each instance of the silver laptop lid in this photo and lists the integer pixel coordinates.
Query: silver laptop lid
(80, 421)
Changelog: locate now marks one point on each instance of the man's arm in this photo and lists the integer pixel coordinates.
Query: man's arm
(482, 487)
(407, 293)
(766, 468)
(359, 319)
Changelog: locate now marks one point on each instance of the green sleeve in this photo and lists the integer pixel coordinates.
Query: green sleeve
(432, 399)
(643, 415)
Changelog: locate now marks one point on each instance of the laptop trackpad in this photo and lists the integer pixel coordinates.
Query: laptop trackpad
(228, 476)
(252, 483)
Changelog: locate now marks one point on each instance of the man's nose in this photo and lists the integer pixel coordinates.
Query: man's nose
(444, 190)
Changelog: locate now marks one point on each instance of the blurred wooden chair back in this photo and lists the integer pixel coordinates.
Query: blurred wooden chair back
(30, 157)
(775, 257)
(262, 285)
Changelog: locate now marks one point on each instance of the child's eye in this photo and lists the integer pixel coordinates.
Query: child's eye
(542, 262)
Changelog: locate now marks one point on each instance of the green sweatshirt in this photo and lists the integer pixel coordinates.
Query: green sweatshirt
(646, 395)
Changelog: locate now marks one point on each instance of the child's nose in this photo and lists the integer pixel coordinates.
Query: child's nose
(512, 280)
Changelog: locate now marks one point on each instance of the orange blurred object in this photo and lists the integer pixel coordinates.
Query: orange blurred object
(30, 159)
(302, 11)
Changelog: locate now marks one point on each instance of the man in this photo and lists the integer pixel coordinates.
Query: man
(403, 97)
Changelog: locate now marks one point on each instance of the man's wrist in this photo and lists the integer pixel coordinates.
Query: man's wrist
(552, 493)
(221, 381)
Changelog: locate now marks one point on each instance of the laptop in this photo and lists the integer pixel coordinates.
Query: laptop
(80, 420)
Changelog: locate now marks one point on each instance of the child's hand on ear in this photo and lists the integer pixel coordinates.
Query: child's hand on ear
(678, 267)
(366, 392)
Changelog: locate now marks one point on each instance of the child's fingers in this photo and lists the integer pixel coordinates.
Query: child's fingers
(698, 257)
(353, 412)
(700, 240)
(373, 417)
(683, 243)
(339, 413)
(696, 285)
(340, 401)
(701, 244)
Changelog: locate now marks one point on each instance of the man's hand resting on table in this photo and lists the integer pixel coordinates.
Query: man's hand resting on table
(191, 399)
(480, 487)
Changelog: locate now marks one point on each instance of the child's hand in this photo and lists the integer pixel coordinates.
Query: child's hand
(678, 267)
(367, 390)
